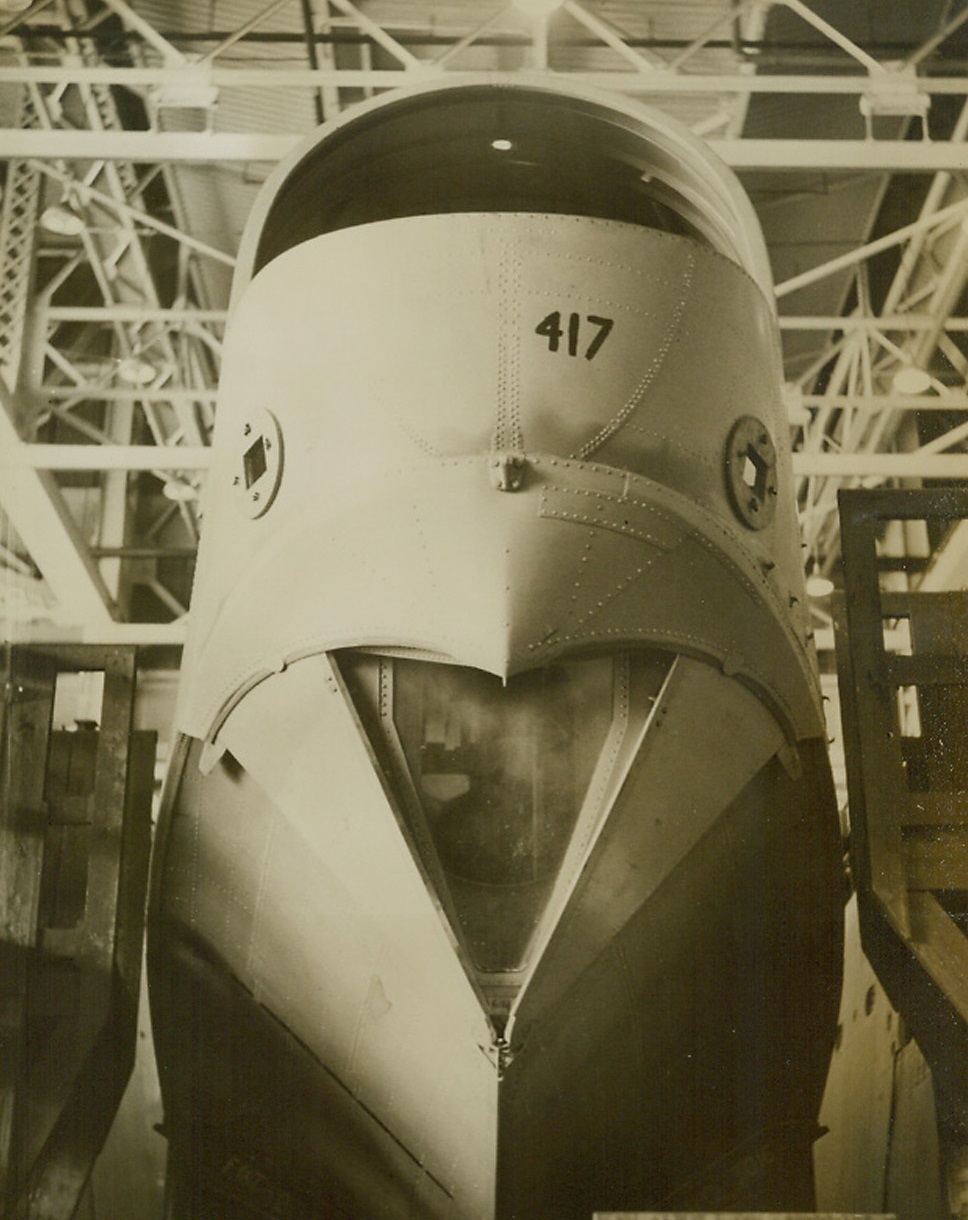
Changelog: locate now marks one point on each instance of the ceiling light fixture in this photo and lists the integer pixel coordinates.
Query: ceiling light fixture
(179, 491)
(61, 219)
(819, 586)
(911, 380)
(135, 371)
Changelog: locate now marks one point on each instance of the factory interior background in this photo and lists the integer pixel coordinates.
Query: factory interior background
(134, 138)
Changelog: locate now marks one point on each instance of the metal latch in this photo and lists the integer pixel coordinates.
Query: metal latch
(507, 471)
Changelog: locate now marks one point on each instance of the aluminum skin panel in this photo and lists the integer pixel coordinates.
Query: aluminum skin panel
(671, 955)
(670, 1041)
(401, 396)
(682, 1069)
(657, 815)
(306, 894)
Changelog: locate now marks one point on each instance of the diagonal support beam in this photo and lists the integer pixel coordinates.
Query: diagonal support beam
(377, 33)
(611, 38)
(950, 214)
(138, 216)
(929, 47)
(12, 22)
(469, 39)
(147, 31)
(237, 35)
(836, 36)
(729, 16)
(35, 507)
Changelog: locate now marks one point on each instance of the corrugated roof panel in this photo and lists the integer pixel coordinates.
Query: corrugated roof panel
(666, 20)
(651, 19)
(197, 16)
(281, 110)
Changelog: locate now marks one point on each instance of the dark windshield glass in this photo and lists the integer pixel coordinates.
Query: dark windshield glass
(491, 777)
(500, 772)
(479, 151)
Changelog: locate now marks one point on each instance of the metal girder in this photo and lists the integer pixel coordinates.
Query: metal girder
(779, 155)
(89, 391)
(108, 457)
(115, 250)
(653, 81)
(22, 190)
(881, 322)
(641, 62)
(914, 465)
(834, 35)
(377, 33)
(142, 313)
(858, 407)
(886, 402)
(76, 388)
(927, 465)
(745, 18)
(122, 634)
(126, 213)
(134, 21)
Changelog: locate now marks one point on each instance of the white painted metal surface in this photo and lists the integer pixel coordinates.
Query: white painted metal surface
(405, 542)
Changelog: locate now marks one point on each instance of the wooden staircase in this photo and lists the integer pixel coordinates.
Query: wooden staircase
(903, 672)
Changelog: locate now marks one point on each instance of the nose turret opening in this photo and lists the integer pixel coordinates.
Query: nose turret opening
(487, 148)
(497, 784)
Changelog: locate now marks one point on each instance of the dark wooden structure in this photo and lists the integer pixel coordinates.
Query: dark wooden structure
(75, 832)
(903, 670)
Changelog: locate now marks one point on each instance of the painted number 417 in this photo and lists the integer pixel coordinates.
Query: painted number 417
(575, 332)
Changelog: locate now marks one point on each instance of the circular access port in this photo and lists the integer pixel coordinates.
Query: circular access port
(751, 472)
(258, 465)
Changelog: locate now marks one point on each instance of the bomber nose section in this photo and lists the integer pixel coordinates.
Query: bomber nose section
(498, 653)
(525, 457)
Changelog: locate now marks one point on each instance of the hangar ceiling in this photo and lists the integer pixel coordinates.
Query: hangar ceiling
(134, 135)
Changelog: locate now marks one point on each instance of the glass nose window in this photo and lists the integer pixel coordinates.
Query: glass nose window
(491, 779)
(500, 773)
